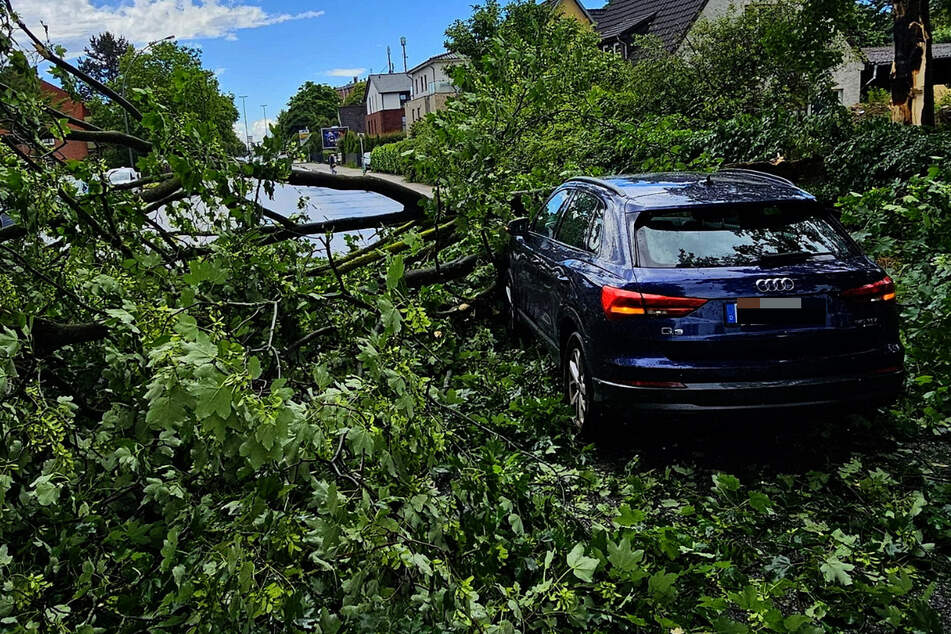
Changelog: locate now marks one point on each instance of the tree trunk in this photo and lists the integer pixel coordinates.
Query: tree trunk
(912, 85)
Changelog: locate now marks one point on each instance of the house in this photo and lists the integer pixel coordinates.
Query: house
(430, 86)
(873, 70)
(384, 100)
(619, 22)
(60, 100)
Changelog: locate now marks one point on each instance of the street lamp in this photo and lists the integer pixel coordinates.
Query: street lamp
(247, 135)
(264, 108)
(125, 83)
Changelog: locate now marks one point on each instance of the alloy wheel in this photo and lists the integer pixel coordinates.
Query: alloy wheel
(577, 390)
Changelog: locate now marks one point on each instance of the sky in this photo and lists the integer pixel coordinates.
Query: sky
(264, 49)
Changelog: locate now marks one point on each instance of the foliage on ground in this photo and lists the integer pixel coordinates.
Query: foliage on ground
(244, 443)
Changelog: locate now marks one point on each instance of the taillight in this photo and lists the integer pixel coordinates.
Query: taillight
(880, 291)
(618, 303)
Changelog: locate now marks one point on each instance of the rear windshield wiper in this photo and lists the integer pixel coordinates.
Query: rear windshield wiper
(774, 259)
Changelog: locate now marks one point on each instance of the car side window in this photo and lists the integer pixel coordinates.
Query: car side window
(581, 227)
(546, 221)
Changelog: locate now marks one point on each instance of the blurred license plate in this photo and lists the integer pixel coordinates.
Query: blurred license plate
(767, 310)
(768, 303)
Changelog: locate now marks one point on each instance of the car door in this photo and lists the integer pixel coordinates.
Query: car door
(530, 261)
(572, 260)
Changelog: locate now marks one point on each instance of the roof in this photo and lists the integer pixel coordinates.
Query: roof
(668, 20)
(390, 82)
(436, 59)
(687, 189)
(880, 55)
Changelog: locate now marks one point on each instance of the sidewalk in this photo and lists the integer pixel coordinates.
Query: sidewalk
(425, 190)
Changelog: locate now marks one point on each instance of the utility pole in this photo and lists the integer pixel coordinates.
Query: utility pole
(266, 126)
(403, 44)
(247, 134)
(389, 61)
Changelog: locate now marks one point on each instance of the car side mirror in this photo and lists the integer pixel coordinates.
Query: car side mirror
(517, 226)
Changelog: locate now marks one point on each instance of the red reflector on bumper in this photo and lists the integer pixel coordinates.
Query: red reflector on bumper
(663, 384)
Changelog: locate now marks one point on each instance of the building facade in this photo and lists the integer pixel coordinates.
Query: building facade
(384, 102)
(60, 100)
(430, 88)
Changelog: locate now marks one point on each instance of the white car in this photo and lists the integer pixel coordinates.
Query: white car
(122, 175)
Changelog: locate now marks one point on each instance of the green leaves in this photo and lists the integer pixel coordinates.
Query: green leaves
(834, 570)
(622, 557)
(581, 566)
(394, 272)
(45, 490)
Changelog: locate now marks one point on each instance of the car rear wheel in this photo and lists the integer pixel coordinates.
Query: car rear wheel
(579, 391)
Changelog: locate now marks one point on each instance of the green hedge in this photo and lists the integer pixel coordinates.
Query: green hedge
(396, 158)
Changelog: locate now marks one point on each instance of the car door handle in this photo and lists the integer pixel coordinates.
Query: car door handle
(561, 274)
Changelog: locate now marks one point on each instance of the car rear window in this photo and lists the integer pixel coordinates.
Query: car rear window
(733, 236)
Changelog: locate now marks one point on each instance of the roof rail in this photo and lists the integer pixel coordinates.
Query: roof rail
(599, 182)
(766, 175)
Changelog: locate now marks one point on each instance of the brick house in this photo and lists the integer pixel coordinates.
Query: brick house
(60, 100)
(346, 90)
(385, 98)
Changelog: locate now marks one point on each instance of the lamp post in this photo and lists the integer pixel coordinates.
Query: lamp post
(247, 135)
(266, 126)
(125, 84)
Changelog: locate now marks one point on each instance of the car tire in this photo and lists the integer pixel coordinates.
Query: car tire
(513, 321)
(587, 414)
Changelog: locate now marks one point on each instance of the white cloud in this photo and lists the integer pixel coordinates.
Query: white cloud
(345, 72)
(220, 71)
(72, 22)
(256, 129)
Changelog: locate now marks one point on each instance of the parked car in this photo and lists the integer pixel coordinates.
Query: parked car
(122, 175)
(733, 291)
(5, 220)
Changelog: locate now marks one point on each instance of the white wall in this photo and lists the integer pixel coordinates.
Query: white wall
(848, 79)
(373, 98)
(377, 101)
(422, 78)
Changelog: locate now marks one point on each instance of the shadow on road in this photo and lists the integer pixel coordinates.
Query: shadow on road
(770, 442)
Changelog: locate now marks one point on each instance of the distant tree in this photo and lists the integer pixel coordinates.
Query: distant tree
(172, 75)
(356, 96)
(472, 37)
(313, 107)
(102, 59)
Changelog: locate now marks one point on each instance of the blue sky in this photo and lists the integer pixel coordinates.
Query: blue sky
(264, 49)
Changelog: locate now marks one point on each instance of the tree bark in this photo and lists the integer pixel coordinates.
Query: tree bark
(49, 336)
(912, 84)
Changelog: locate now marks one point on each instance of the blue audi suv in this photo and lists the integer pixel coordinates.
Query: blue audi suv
(732, 291)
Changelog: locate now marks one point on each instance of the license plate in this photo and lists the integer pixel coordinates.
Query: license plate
(769, 303)
(766, 310)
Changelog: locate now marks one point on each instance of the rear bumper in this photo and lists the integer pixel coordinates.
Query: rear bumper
(867, 390)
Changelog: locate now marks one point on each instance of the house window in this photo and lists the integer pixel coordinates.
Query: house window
(618, 49)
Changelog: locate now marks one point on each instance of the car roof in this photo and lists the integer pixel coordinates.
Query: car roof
(663, 190)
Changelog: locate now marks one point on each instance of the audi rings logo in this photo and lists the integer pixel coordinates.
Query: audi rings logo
(774, 284)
